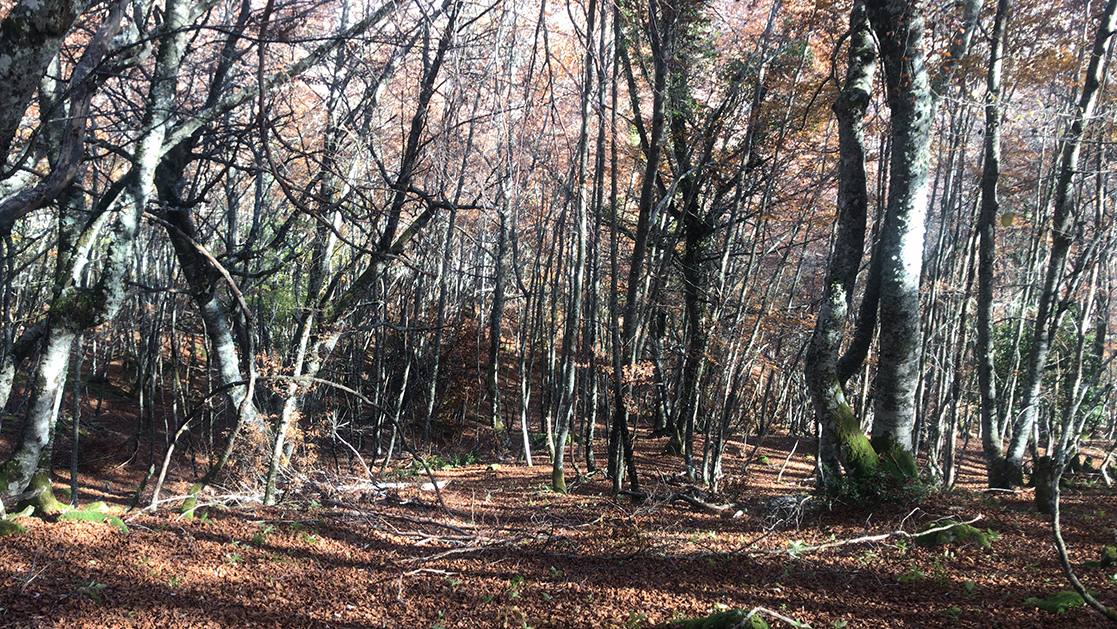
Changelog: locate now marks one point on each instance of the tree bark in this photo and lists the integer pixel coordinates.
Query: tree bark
(844, 443)
(899, 27)
(75, 309)
(30, 38)
(991, 443)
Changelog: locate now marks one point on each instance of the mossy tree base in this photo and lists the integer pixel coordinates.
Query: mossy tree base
(97, 512)
(857, 453)
(40, 496)
(1057, 603)
(190, 505)
(958, 534)
(731, 619)
(1108, 557)
(10, 527)
(558, 481)
(874, 468)
(895, 461)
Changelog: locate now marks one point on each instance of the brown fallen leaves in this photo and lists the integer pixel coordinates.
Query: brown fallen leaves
(516, 555)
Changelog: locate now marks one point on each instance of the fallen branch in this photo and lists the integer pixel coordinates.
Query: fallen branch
(724, 510)
(385, 486)
(778, 616)
(403, 443)
(868, 539)
(1064, 561)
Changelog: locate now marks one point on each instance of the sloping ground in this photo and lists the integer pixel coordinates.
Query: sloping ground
(515, 555)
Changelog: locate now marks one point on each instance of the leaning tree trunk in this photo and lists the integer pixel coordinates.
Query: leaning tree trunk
(200, 272)
(847, 447)
(30, 38)
(63, 113)
(204, 282)
(74, 308)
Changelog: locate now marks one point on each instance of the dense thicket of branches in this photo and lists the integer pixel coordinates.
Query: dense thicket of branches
(307, 232)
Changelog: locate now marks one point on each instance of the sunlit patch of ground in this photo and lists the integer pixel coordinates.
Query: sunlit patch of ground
(515, 554)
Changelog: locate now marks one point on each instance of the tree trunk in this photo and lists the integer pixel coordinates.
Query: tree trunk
(844, 443)
(76, 309)
(496, 316)
(899, 29)
(991, 443)
(30, 38)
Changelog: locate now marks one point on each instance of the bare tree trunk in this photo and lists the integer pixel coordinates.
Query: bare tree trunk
(30, 38)
(624, 335)
(496, 316)
(991, 431)
(575, 314)
(899, 27)
(439, 321)
(843, 442)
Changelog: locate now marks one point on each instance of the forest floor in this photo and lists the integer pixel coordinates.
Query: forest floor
(514, 554)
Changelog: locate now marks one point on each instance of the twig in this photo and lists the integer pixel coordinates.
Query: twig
(779, 477)
(403, 442)
(32, 575)
(360, 459)
(778, 616)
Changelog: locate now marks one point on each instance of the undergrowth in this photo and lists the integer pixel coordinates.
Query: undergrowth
(956, 534)
(877, 488)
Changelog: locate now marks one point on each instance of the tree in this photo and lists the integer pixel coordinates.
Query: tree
(991, 429)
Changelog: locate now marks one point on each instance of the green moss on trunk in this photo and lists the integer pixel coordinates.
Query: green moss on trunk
(1057, 603)
(558, 480)
(191, 502)
(895, 461)
(10, 527)
(41, 496)
(957, 534)
(1108, 557)
(858, 455)
(731, 619)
